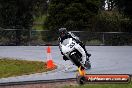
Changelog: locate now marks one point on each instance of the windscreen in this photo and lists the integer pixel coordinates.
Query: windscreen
(66, 41)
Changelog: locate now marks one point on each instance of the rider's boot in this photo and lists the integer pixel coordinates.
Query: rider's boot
(88, 54)
(87, 59)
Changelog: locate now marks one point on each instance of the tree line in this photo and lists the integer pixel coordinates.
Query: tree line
(18, 14)
(89, 15)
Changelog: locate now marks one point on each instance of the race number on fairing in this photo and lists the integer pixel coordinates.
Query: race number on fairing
(72, 44)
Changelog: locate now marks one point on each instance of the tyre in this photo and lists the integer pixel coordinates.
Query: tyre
(75, 59)
(81, 80)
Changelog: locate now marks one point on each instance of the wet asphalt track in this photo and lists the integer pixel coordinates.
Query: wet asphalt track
(104, 60)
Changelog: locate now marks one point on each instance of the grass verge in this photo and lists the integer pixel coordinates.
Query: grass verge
(127, 85)
(11, 67)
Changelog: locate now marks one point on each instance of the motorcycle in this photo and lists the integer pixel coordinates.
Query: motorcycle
(73, 51)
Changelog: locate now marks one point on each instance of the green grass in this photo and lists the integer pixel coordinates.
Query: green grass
(38, 27)
(39, 19)
(129, 85)
(10, 67)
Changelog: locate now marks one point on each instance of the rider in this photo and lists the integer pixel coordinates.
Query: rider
(64, 34)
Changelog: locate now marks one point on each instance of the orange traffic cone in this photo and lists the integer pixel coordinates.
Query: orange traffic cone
(50, 63)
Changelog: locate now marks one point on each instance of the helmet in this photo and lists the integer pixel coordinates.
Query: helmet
(63, 32)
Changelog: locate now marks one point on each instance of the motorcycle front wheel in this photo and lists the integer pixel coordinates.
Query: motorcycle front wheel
(75, 59)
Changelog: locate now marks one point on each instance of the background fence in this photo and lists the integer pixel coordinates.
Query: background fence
(40, 37)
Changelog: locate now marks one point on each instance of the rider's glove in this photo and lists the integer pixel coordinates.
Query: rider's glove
(65, 58)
